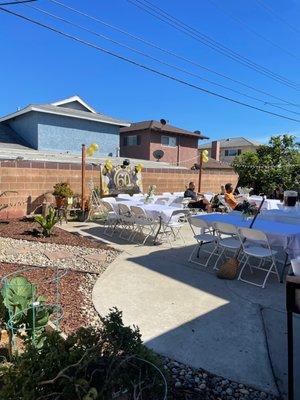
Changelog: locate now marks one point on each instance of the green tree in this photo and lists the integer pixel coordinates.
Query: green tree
(277, 163)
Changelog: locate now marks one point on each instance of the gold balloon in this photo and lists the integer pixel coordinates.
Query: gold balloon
(139, 167)
(94, 146)
(205, 153)
(204, 159)
(90, 152)
(108, 165)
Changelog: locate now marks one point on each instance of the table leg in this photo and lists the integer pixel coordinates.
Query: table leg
(155, 241)
(284, 266)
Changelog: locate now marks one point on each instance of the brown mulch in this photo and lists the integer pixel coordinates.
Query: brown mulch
(71, 297)
(24, 229)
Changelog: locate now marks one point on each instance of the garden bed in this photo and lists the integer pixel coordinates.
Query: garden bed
(27, 229)
(75, 293)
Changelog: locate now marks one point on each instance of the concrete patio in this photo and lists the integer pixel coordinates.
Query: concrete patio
(228, 328)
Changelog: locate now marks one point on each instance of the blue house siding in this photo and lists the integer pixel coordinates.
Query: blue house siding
(26, 126)
(60, 133)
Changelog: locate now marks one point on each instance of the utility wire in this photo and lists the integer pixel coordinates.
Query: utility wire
(152, 58)
(206, 40)
(145, 67)
(172, 53)
(10, 3)
(250, 29)
(171, 18)
(271, 11)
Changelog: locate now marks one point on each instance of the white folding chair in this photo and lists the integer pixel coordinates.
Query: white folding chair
(142, 222)
(230, 243)
(180, 194)
(112, 219)
(138, 195)
(206, 236)
(162, 200)
(109, 199)
(221, 199)
(172, 228)
(126, 221)
(256, 244)
(208, 196)
(177, 200)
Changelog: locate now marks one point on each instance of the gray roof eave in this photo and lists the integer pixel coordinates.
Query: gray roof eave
(61, 111)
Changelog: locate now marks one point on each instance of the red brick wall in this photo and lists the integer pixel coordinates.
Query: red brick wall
(31, 180)
(177, 180)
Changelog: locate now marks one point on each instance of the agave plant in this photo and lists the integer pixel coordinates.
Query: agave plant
(48, 222)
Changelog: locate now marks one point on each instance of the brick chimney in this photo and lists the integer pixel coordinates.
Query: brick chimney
(215, 150)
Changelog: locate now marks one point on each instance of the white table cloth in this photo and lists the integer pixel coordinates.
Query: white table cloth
(154, 210)
(289, 215)
(280, 234)
(269, 204)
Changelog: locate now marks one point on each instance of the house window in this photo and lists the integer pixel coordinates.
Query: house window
(169, 141)
(132, 140)
(233, 152)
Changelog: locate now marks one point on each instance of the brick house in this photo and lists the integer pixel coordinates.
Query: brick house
(141, 139)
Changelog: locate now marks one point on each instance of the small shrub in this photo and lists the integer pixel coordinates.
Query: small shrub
(48, 222)
(111, 363)
(62, 189)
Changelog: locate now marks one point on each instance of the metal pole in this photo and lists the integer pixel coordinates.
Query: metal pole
(290, 298)
(83, 157)
(200, 171)
(101, 183)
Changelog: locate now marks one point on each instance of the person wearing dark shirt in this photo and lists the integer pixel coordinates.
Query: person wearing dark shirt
(196, 202)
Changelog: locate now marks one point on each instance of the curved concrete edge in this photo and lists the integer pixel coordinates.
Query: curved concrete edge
(181, 315)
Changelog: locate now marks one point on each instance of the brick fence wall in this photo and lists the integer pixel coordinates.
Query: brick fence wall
(32, 179)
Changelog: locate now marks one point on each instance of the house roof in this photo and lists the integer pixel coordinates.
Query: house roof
(159, 127)
(58, 108)
(232, 142)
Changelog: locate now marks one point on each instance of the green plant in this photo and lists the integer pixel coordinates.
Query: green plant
(25, 310)
(62, 189)
(105, 364)
(249, 210)
(274, 164)
(48, 222)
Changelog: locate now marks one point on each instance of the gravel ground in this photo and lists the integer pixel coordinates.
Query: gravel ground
(27, 229)
(72, 257)
(192, 384)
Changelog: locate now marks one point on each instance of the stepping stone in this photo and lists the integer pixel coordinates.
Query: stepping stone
(92, 258)
(58, 255)
(17, 250)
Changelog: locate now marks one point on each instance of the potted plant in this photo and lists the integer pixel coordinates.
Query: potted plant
(62, 191)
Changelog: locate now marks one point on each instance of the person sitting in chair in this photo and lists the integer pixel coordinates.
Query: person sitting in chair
(231, 200)
(196, 201)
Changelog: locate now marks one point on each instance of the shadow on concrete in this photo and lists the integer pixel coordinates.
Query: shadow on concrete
(229, 328)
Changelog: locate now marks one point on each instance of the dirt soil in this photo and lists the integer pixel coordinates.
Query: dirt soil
(23, 229)
(71, 297)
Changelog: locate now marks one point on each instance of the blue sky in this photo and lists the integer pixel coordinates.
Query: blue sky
(38, 66)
